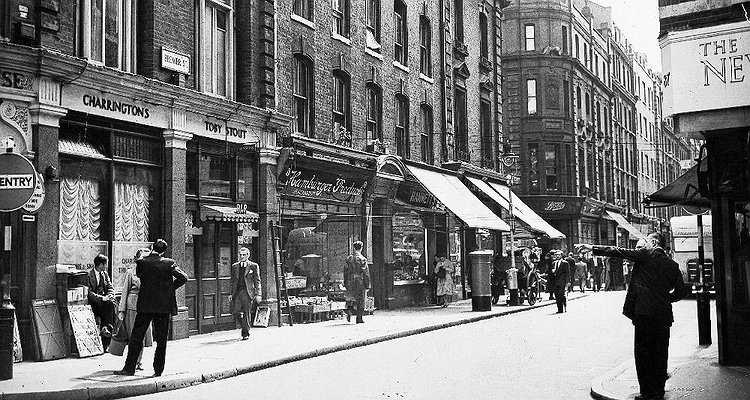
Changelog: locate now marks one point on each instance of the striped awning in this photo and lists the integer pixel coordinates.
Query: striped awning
(226, 214)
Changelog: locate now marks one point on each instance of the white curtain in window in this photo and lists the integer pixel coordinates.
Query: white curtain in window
(131, 212)
(80, 209)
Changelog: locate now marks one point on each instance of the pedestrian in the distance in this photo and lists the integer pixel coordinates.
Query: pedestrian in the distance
(246, 295)
(357, 281)
(655, 284)
(598, 269)
(127, 309)
(160, 277)
(581, 276)
(549, 263)
(445, 286)
(561, 271)
(571, 276)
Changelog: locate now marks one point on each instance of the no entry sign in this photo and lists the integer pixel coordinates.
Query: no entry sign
(17, 181)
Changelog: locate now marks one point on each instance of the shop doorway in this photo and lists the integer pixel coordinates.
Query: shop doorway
(209, 290)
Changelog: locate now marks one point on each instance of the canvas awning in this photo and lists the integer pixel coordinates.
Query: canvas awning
(226, 214)
(682, 192)
(455, 196)
(624, 224)
(501, 194)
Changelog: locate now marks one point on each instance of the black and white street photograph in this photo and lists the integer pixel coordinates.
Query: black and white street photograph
(375, 199)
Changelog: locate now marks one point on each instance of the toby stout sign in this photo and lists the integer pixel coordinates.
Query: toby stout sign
(706, 68)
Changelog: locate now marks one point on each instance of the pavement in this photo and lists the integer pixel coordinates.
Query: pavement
(694, 372)
(220, 355)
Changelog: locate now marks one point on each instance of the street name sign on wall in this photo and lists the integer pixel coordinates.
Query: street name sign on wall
(17, 181)
(706, 68)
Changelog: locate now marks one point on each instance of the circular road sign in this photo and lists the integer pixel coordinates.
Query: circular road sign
(17, 181)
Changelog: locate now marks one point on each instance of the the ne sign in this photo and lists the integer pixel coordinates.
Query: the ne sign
(17, 181)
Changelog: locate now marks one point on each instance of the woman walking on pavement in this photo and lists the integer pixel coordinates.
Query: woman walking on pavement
(445, 286)
(126, 310)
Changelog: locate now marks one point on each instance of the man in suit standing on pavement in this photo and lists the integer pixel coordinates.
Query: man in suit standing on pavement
(102, 297)
(655, 284)
(571, 265)
(160, 278)
(245, 283)
(561, 271)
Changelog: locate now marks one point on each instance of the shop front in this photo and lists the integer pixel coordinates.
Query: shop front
(221, 216)
(419, 235)
(323, 211)
(468, 224)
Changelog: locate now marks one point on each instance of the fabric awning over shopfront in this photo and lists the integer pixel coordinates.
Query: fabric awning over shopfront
(226, 214)
(624, 224)
(458, 199)
(501, 195)
(682, 192)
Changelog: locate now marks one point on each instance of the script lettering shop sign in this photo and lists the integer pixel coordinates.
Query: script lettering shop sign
(313, 184)
(555, 206)
(706, 68)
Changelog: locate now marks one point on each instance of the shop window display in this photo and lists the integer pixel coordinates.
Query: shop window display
(317, 249)
(408, 247)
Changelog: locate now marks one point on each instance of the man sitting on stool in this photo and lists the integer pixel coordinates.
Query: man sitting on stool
(102, 297)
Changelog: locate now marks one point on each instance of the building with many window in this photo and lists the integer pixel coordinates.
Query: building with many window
(146, 120)
(557, 107)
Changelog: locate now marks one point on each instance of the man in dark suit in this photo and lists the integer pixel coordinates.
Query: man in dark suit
(245, 283)
(156, 303)
(561, 271)
(102, 296)
(655, 284)
(571, 266)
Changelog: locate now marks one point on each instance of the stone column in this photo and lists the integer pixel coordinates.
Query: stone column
(174, 210)
(40, 237)
(268, 209)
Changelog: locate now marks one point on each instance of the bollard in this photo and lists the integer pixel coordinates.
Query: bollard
(704, 317)
(512, 283)
(481, 265)
(7, 315)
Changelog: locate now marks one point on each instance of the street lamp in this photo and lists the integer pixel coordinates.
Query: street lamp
(509, 160)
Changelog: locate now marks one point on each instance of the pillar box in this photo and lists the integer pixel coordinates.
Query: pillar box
(481, 266)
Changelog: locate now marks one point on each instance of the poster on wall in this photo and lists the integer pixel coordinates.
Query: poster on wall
(123, 258)
(80, 253)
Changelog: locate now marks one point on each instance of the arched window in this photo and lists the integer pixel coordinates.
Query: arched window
(484, 47)
(402, 126)
(303, 95)
(374, 112)
(425, 46)
(401, 36)
(341, 111)
(426, 141)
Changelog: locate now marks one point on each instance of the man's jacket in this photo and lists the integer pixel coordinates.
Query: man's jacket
(159, 280)
(655, 284)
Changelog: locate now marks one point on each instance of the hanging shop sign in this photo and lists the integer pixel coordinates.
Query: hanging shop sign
(17, 181)
(324, 185)
(706, 68)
